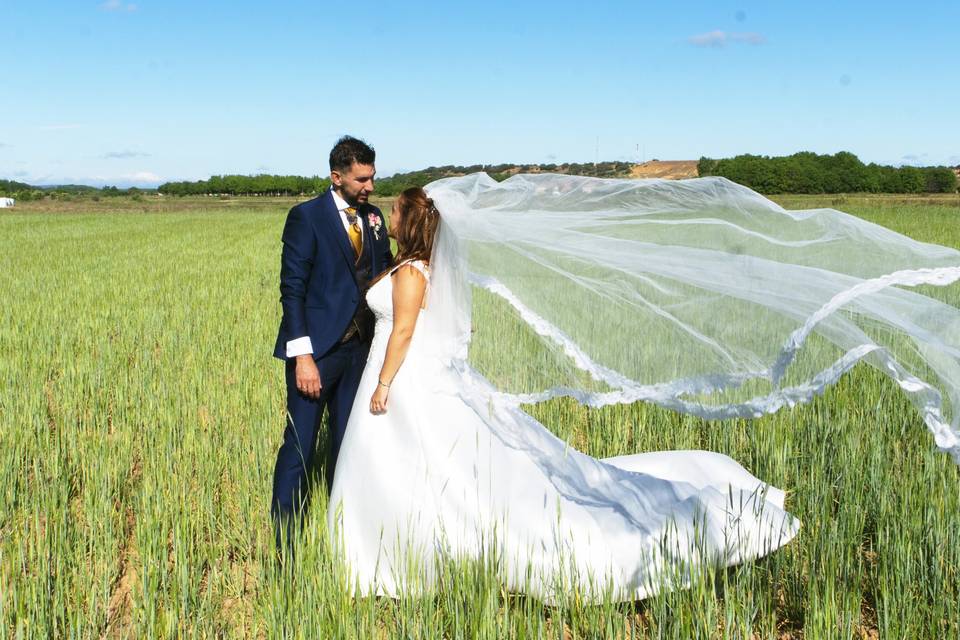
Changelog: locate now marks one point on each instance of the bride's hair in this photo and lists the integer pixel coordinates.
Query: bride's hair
(419, 220)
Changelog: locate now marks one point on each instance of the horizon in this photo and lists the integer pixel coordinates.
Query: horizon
(137, 94)
(154, 186)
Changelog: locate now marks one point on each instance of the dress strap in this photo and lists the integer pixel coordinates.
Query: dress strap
(416, 264)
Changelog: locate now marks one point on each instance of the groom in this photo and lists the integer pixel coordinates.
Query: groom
(333, 246)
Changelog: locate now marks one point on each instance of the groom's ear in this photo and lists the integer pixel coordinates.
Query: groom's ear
(336, 178)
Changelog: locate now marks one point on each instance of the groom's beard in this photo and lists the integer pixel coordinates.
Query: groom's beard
(355, 200)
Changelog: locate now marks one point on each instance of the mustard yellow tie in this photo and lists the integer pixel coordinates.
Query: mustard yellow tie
(354, 231)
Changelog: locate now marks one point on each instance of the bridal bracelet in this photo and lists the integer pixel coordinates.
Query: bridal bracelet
(382, 383)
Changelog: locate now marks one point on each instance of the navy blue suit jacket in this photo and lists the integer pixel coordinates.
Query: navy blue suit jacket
(318, 288)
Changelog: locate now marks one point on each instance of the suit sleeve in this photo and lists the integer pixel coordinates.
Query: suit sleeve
(296, 263)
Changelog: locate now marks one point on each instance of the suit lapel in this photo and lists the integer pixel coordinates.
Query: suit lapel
(335, 224)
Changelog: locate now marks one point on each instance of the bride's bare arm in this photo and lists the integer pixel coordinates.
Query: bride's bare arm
(409, 287)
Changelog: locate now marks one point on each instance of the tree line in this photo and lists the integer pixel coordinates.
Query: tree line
(276, 185)
(18, 190)
(843, 172)
(803, 172)
(237, 185)
(395, 184)
(25, 192)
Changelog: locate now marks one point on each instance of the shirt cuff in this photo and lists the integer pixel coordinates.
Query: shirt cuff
(299, 347)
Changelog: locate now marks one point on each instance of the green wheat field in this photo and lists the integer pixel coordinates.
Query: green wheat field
(141, 411)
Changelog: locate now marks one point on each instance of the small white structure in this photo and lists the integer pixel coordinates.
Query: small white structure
(6, 202)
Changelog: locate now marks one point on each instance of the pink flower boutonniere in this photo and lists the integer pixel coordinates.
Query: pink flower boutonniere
(375, 223)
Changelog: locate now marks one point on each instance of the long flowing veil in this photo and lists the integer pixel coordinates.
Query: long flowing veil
(698, 295)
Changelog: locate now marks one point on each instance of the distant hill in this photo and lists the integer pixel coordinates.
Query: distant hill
(264, 185)
(674, 169)
(24, 191)
(669, 169)
(11, 186)
(802, 172)
(271, 185)
(400, 181)
(69, 188)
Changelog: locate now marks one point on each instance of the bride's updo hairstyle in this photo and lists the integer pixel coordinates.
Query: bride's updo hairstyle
(419, 220)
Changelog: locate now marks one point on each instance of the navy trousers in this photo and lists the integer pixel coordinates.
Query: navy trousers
(340, 372)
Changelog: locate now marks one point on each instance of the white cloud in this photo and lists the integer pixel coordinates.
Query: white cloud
(749, 38)
(118, 5)
(912, 158)
(709, 39)
(135, 179)
(143, 176)
(718, 39)
(123, 155)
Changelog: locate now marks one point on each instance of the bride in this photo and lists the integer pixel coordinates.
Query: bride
(700, 296)
(439, 463)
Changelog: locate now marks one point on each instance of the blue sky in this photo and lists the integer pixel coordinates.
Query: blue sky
(142, 91)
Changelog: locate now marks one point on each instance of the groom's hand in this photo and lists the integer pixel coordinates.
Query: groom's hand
(308, 376)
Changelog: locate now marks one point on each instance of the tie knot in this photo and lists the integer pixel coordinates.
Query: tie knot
(351, 214)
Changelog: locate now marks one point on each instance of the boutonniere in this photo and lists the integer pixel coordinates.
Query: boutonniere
(375, 223)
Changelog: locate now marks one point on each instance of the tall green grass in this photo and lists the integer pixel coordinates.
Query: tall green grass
(141, 410)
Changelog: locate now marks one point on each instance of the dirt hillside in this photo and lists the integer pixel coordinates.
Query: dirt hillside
(669, 169)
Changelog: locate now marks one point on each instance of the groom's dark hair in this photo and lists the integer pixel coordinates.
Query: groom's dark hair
(349, 150)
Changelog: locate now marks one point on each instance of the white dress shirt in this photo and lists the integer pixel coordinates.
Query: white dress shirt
(342, 207)
(302, 346)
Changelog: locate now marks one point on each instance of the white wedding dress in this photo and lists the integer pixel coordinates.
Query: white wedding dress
(445, 474)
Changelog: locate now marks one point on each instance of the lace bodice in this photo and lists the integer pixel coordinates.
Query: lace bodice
(380, 295)
(380, 301)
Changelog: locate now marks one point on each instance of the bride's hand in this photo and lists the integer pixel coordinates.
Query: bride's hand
(378, 402)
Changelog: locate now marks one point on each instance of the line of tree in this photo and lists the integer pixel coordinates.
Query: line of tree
(273, 185)
(24, 191)
(843, 172)
(396, 183)
(18, 190)
(10, 186)
(803, 172)
(237, 185)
